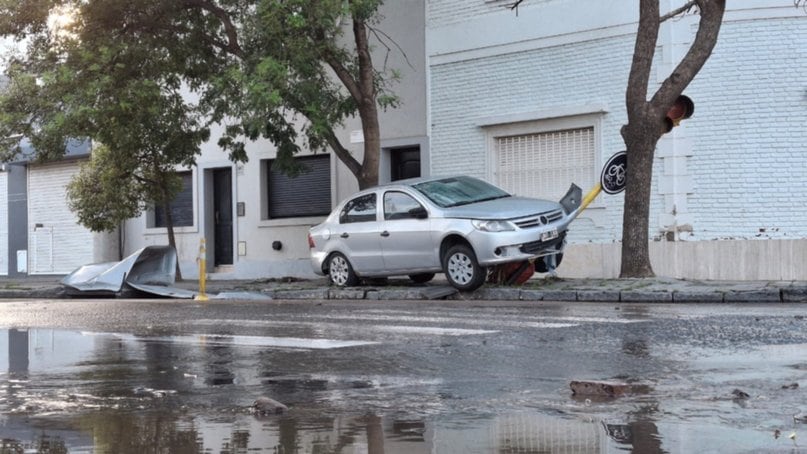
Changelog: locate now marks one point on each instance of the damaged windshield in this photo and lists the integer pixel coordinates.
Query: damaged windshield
(456, 191)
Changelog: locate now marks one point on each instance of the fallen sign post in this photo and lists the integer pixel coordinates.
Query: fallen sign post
(613, 179)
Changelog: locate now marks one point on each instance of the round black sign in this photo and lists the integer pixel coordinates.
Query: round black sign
(614, 173)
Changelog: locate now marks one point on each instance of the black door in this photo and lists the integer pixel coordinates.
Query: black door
(405, 163)
(223, 217)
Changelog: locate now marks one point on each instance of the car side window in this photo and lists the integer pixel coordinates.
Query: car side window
(360, 209)
(398, 205)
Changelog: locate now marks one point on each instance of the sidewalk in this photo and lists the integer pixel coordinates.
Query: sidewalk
(660, 290)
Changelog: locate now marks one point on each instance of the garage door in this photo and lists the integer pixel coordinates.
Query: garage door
(3, 223)
(57, 244)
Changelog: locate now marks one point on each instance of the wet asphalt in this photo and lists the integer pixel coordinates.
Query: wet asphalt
(401, 376)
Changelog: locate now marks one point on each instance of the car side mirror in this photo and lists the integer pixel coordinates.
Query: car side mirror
(418, 213)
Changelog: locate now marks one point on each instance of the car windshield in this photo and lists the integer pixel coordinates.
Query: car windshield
(455, 191)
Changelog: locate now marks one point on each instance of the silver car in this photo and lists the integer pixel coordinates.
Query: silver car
(460, 226)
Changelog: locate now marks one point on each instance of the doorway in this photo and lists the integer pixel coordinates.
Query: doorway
(405, 163)
(222, 217)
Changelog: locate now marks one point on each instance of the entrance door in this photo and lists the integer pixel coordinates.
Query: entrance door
(405, 163)
(223, 216)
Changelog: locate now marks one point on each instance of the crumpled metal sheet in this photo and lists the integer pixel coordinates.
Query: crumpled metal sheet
(151, 269)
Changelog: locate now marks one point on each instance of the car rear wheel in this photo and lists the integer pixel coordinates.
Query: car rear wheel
(341, 272)
(461, 268)
(421, 278)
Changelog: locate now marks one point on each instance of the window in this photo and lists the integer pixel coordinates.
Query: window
(360, 209)
(398, 205)
(181, 206)
(307, 194)
(545, 164)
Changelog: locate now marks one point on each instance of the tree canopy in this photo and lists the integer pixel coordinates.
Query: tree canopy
(282, 70)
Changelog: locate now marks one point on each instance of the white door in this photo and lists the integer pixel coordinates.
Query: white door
(57, 244)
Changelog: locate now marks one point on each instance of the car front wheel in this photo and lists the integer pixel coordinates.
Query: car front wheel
(461, 268)
(341, 272)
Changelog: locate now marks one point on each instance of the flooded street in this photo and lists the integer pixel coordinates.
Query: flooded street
(154, 376)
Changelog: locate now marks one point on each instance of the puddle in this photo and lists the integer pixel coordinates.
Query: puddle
(87, 392)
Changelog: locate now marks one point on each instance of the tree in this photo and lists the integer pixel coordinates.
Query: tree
(647, 115)
(646, 118)
(75, 83)
(282, 70)
(294, 60)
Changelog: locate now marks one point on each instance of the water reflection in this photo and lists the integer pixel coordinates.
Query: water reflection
(90, 393)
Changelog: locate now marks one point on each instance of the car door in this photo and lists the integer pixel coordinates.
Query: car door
(406, 237)
(358, 234)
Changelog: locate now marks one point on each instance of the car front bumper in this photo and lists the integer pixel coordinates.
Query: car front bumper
(505, 247)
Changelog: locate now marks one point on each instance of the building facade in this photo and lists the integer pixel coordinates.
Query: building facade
(254, 221)
(533, 100)
(39, 234)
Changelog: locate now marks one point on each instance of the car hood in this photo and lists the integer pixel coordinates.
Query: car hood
(507, 208)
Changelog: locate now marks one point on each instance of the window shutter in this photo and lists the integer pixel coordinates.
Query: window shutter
(543, 165)
(307, 194)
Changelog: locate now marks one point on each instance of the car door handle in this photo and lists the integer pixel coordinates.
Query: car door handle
(344, 235)
(385, 234)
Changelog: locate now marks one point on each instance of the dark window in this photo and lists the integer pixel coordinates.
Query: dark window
(405, 163)
(307, 194)
(181, 206)
(360, 209)
(398, 205)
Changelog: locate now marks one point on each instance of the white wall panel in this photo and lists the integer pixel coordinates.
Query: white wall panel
(3, 223)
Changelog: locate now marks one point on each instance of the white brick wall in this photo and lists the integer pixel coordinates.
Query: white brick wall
(748, 134)
(465, 92)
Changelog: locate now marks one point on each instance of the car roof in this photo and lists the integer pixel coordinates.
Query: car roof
(406, 183)
(414, 181)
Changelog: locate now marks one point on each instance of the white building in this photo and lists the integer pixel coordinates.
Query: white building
(534, 100)
(255, 221)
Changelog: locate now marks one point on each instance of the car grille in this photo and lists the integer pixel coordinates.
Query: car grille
(540, 219)
(535, 247)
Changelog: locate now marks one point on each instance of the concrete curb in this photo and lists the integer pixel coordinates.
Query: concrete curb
(563, 290)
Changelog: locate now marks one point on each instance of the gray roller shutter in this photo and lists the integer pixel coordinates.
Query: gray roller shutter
(307, 194)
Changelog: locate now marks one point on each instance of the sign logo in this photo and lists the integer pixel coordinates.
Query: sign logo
(614, 173)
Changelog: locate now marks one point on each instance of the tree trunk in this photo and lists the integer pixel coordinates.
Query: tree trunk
(169, 227)
(646, 120)
(372, 145)
(641, 144)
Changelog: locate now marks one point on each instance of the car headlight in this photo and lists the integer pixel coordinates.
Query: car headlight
(493, 226)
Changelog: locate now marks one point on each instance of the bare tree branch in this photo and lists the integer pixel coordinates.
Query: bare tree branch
(685, 8)
(343, 153)
(381, 37)
(644, 50)
(515, 5)
(705, 39)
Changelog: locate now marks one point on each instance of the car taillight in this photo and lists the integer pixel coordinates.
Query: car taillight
(311, 244)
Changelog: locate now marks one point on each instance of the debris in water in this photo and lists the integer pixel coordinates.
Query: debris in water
(598, 388)
(777, 433)
(267, 406)
(791, 386)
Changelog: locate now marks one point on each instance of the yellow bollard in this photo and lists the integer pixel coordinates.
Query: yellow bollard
(202, 271)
